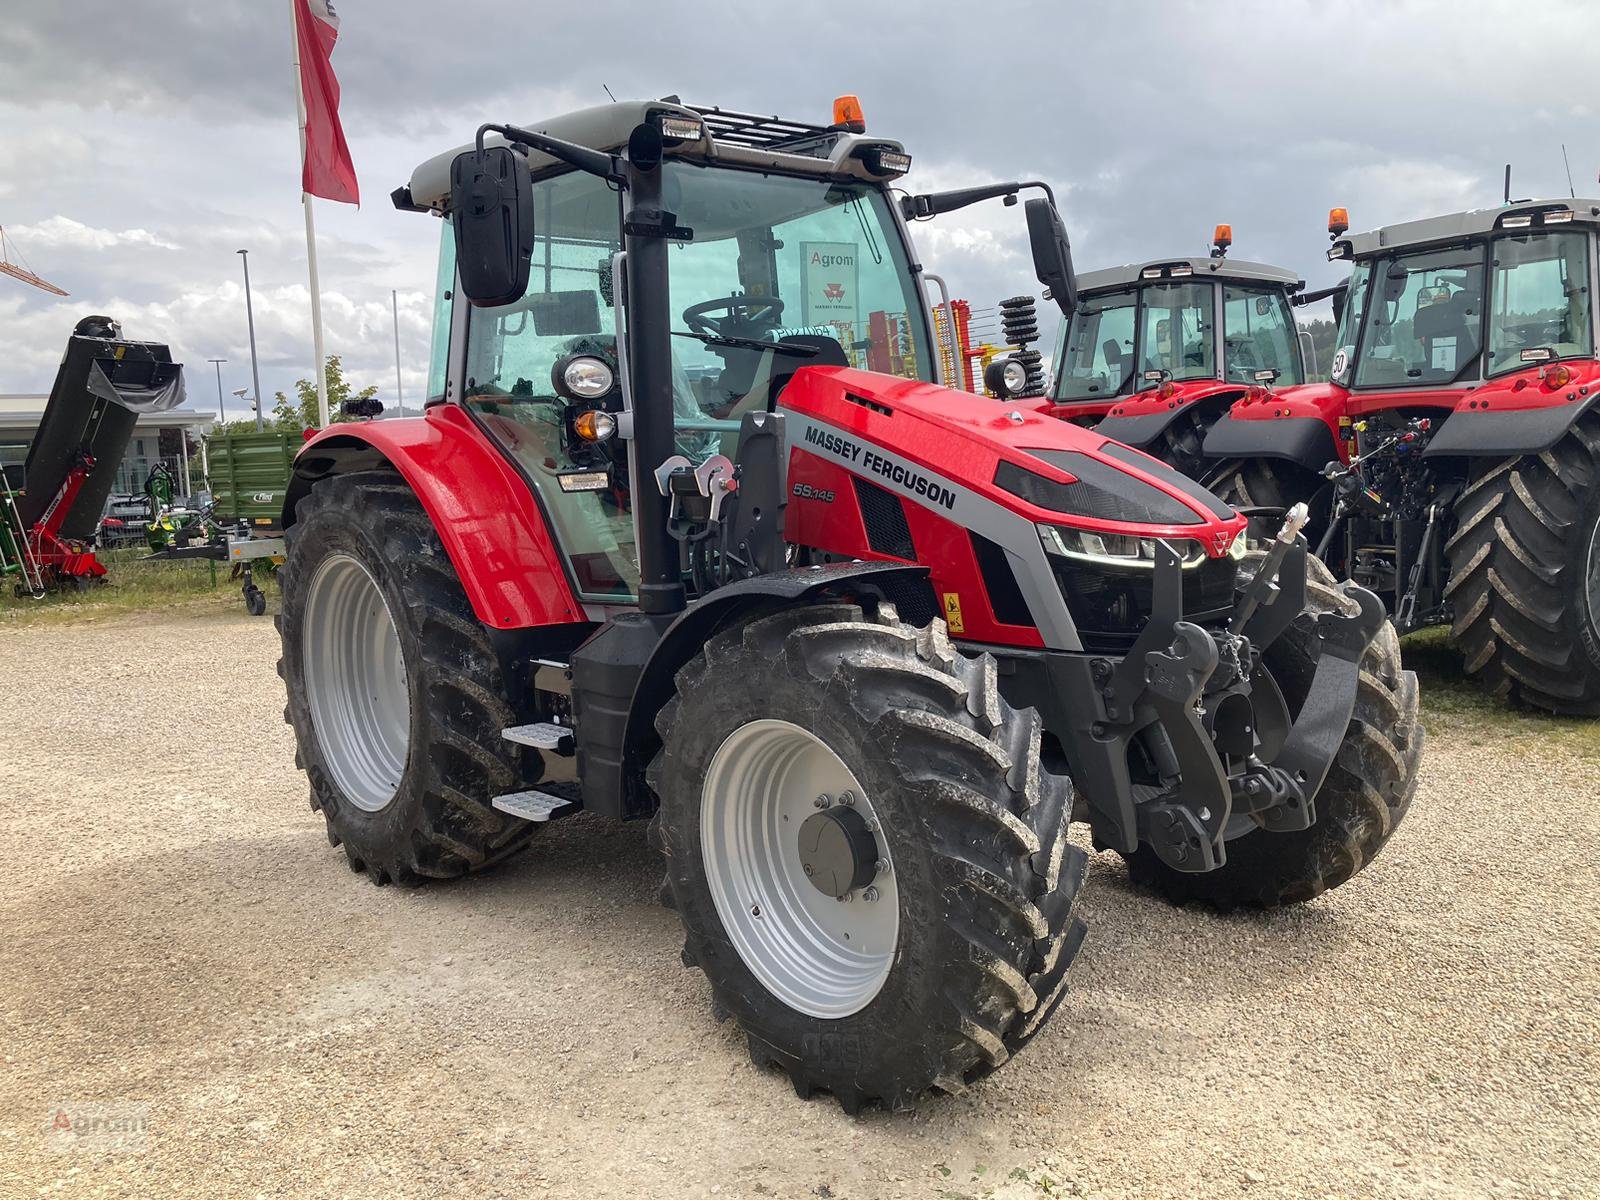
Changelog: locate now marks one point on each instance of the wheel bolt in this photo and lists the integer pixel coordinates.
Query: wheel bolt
(870, 894)
(881, 866)
(822, 801)
(847, 797)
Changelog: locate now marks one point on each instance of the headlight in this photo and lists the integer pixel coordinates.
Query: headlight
(584, 377)
(1117, 549)
(1015, 376)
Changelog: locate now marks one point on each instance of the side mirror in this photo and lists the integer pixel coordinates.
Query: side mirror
(491, 207)
(1052, 254)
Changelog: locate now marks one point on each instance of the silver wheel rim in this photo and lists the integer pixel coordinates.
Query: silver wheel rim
(356, 682)
(821, 956)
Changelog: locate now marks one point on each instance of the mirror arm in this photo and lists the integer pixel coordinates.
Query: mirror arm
(932, 204)
(593, 162)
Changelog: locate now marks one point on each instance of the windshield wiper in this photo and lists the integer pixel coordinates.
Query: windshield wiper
(721, 339)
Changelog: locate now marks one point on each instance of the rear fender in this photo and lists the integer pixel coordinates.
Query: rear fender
(491, 525)
(1140, 420)
(1516, 415)
(1299, 425)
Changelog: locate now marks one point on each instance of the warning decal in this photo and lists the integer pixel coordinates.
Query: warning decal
(952, 611)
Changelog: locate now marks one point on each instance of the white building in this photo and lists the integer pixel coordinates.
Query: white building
(157, 437)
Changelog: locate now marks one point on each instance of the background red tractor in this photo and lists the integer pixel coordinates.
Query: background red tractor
(1452, 462)
(1157, 351)
(858, 646)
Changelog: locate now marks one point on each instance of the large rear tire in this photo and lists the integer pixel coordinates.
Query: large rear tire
(1361, 802)
(1525, 575)
(792, 709)
(397, 693)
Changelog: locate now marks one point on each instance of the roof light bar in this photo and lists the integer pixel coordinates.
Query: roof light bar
(676, 128)
(1150, 273)
(1521, 221)
(881, 160)
(1179, 272)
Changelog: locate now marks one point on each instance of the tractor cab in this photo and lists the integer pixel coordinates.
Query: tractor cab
(1157, 350)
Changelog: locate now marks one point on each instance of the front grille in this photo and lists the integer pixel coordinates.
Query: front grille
(1111, 605)
(885, 518)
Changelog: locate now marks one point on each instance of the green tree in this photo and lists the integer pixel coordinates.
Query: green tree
(301, 412)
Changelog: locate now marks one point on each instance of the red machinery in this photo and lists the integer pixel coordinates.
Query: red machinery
(104, 383)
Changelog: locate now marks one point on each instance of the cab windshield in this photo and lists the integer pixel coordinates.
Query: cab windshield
(817, 263)
(814, 269)
(1424, 319)
(1096, 355)
(1258, 335)
(1344, 341)
(1539, 298)
(1175, 334)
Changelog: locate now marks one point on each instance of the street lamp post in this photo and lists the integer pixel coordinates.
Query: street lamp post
(250, 316)
(222, 410)
(399, 397)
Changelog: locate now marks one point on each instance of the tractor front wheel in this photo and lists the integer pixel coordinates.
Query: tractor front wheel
(1525, 575)
(871, 867)
(397, 693)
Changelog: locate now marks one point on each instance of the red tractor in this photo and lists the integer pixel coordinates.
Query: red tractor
(859, 647)
(1158, 351)
(1452, 462)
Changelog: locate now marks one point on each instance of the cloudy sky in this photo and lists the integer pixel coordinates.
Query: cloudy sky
(144, 143)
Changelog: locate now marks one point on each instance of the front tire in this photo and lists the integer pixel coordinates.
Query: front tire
(1525, 575)
(397, 693)
(794, 708)
(1361, 802)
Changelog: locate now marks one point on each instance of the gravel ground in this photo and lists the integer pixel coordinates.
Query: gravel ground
(182, 947)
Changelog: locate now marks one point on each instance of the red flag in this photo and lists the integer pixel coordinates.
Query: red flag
(326, 169)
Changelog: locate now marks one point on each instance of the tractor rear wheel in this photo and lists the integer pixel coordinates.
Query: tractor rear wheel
(1272, 483)
(397, 693)
(1525, 575)
(1361, 802)
(871, 867)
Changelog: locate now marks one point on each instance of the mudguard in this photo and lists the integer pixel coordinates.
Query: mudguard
(1516, 415)
(1298, 424)
(486, 515)
(1140, 420)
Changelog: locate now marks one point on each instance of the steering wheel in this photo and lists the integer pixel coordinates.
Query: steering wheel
(759, 313)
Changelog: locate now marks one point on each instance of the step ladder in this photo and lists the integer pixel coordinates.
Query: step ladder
(533, 805)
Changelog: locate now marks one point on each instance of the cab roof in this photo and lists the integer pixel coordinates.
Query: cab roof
(1457, 227)
(738, 139)
(1230, 269)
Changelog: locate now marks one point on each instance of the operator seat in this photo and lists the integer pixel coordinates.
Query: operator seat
(1444, 324)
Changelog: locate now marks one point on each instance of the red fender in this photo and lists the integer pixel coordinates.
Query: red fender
(485, 513)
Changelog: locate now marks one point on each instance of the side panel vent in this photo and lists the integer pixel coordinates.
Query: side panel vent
(1005, 596)
(885, 519)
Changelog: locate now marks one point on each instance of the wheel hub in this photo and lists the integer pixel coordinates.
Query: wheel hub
(837, 851)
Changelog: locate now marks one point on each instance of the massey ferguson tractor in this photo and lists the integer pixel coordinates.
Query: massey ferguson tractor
(1452, 462)
(1158, 351)
(687, 535)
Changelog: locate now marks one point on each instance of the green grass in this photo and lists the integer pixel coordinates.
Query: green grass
(1454, 704)
(134, 586)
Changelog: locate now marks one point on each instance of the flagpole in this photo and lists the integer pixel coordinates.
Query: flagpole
(320, 373)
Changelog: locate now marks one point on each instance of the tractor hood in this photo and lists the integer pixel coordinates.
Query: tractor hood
(937, 447)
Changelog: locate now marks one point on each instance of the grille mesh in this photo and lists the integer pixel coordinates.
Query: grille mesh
(885, 518)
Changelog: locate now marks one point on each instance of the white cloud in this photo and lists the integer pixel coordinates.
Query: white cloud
(59, 231)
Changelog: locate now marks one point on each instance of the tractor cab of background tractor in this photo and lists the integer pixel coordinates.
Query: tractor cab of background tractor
(1158, 350)
(1451, 463)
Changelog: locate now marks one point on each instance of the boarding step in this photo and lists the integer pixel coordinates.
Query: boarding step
(532, 806)
(544, 735)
